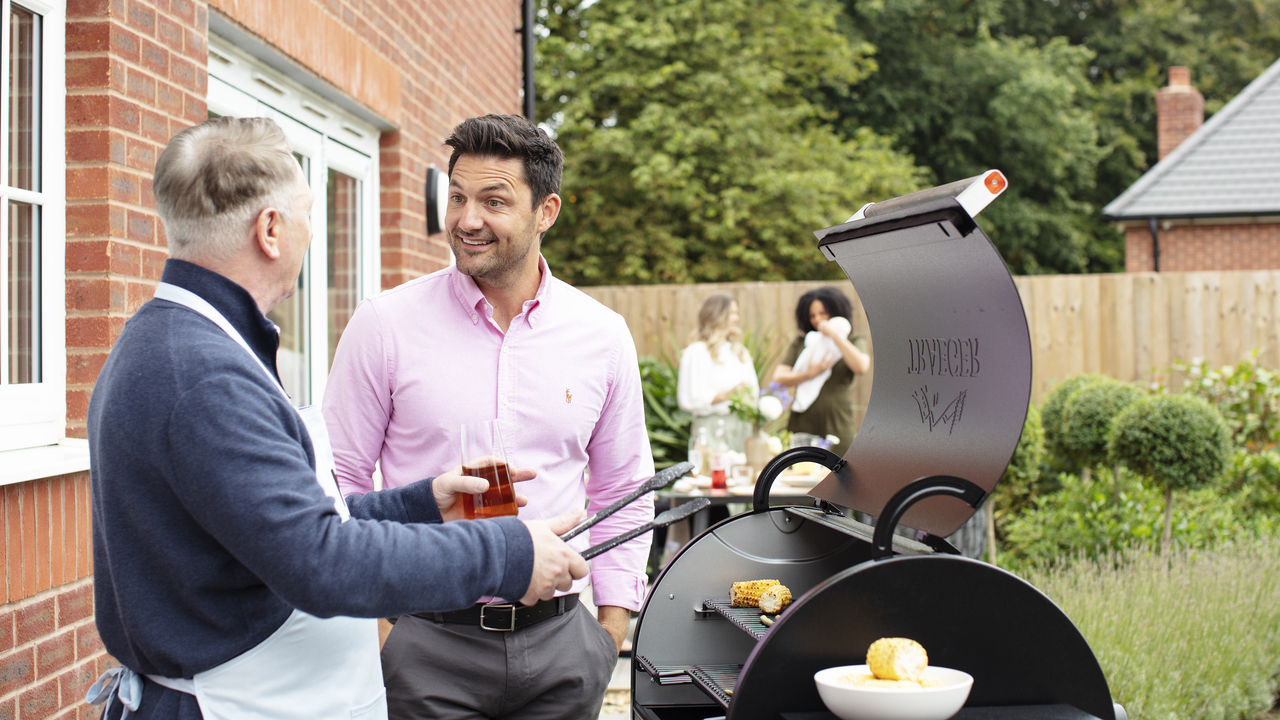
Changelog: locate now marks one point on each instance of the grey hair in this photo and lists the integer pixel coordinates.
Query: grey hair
(214, 179)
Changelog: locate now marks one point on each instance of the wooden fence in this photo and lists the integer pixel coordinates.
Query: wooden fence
(1129, 326)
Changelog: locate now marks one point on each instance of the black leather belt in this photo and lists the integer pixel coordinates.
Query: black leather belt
(505, 617)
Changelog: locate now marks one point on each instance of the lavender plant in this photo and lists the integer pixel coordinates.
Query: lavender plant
(1191, 634)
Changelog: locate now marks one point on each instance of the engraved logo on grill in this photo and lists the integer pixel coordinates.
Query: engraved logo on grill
(946, 357)
(933, 414)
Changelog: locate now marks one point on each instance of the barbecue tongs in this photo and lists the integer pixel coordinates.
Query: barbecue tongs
(657, 482)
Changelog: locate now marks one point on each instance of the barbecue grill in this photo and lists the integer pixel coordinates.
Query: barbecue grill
(952, 383)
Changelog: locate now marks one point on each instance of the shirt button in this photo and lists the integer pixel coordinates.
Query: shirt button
(473, 316)
(506, 401)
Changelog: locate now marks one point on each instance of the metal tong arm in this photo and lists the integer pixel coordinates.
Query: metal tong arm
(784, 460)
(673, 515)
(657, 482)
(914, 492)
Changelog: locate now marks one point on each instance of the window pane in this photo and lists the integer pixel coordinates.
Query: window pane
(24, 293)
(344, 253)
(291, 316)
(24, 99)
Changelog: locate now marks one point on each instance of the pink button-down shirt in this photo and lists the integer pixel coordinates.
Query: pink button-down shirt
(418, 361)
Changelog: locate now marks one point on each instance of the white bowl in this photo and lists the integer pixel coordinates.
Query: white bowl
(849, 702)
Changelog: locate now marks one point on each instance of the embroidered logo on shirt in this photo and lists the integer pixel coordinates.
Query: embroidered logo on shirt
(568, 396)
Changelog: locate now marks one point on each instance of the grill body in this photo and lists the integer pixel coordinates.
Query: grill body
(952, 384)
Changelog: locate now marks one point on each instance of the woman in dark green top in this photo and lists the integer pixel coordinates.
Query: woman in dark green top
(832, 412)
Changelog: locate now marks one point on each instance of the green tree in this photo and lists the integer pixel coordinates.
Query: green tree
(1058, 94)
(961, 99)
(694, 149)
(1177, 440)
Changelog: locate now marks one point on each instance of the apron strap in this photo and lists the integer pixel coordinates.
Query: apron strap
(117, 682)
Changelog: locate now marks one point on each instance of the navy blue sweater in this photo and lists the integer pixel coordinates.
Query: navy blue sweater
(208, 525)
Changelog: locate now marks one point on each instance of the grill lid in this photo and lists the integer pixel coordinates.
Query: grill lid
(952, 354)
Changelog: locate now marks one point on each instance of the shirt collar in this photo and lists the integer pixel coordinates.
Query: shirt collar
(473, 301)
(233, 301)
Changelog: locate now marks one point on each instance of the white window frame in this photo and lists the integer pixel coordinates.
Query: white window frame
(243, 86)
(33, 416)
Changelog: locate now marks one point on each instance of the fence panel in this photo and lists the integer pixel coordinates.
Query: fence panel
(1130, 326)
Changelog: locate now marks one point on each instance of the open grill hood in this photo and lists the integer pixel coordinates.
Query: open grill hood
(952, 359)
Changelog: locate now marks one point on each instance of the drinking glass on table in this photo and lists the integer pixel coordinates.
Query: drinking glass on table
(483, 456)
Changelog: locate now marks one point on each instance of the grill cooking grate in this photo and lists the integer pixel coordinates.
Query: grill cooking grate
(746, 618)
(718, 681)
(666, 674)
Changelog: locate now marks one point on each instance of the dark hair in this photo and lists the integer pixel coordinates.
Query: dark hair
(833, 300)
(511, 136)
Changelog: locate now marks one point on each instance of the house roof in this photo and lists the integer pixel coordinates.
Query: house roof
(1229, 167)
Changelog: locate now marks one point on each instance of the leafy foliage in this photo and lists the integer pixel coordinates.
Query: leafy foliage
(1256, 478)
(695, 151)
(1247, 395)
(961, 100)
(1021, 481)
(1179, 441)
(667, 424)
(1091, 520)
(1087, 416)
(1052, 413)
(1059, 95)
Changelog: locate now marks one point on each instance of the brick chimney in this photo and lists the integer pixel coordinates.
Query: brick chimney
(1179, 111)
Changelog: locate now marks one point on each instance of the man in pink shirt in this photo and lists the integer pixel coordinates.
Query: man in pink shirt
(498, 336)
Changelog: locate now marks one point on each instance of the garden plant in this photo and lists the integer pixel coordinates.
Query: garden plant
(1189, 634)
(1177, 440)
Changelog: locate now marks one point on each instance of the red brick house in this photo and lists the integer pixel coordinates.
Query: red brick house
(366, 92)
(1212, 202)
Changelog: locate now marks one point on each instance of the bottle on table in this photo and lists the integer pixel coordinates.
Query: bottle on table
(700, 452)
(719, 458)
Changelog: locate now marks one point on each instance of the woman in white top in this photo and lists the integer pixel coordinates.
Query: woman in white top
(715, 366)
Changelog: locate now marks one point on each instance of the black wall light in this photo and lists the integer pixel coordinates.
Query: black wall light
(437, 198)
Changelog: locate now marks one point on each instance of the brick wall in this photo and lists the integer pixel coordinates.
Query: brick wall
(136, 74)
(49, 648)
(465, 61)
(1187, 248)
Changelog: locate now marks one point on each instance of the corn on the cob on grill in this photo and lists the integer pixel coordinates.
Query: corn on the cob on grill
(747, 594)
(775, 599)
(897, 659)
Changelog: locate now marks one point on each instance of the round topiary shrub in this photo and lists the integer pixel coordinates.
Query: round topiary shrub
(1087, 416)
(1054, 405)
(1177, 440)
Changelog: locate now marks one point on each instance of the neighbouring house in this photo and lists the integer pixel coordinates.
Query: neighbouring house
(1212, 202)
(366, 93)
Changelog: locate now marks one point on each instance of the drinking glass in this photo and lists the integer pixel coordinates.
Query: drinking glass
(484, 457)
(742, 475)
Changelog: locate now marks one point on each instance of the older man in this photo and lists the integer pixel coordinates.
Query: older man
(222, 561)
(497, 336)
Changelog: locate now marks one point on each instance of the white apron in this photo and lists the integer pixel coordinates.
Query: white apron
(309, 667)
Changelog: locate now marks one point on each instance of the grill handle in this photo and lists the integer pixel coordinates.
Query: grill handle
(917, 490)
(784, 460)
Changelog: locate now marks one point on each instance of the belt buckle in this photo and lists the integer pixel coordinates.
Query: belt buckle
(506, 606)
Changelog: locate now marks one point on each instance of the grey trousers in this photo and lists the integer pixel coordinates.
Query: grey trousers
(557, 669)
